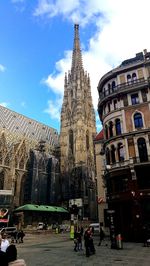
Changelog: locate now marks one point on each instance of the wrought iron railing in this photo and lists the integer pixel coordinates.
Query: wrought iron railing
(122, 86)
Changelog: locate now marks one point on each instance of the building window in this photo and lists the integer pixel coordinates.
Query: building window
(113, 157)
(113, 85)
(125, 100)
(2, 180)
(109, 109)
(87, 140)
(142, 150)
(109, 88)
(107, 157)
(115, 104)
(120, 152)
(104, 92)
(71, 140)
(118, 127)
(104, 110)
(110, 129)
(134, 77)
(138, 121)
(106, 132)
(134, 98)
(144, 95)
(129, 78)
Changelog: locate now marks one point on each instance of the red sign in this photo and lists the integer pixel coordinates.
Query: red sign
(100, 200)
(4, 217)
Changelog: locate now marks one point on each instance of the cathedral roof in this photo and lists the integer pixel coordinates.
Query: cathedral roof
(21, 125)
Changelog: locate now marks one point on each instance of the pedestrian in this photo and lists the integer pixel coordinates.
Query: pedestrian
(101, 236)
(3, 256)
(88, 242)
(14, 236)
(80, 240)
(20, 236)
(91, 242)
(76, 247)
(4, 242)
(81, 230)
(11, 253)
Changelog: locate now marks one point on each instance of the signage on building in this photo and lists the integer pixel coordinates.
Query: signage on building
(77, 202)
(5, 192)
(100, 200)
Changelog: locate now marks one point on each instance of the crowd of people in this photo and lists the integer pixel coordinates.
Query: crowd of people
(17, 236)
(8, 251)
(87, 236)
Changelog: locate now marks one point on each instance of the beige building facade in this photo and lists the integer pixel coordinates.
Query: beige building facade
(124, 109)
(101, 186)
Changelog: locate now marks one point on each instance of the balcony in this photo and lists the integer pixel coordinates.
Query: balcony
(124, 87)
(126, 163)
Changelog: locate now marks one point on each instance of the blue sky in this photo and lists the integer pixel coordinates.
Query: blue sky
(36, 44)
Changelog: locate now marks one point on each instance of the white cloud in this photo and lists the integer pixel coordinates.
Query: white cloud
(4, 104)
(55, 81)
(121, 32)
(2, 68)
(54, 109)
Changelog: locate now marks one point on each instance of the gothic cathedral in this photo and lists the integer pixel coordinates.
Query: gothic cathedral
(77, 132)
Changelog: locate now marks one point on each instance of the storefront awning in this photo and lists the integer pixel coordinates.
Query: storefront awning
(40, 208)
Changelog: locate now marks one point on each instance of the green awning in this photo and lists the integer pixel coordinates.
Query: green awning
(40, 208)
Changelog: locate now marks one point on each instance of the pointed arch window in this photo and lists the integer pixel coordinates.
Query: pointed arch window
(142, 150)
(87, 140)
(120, 150)
(111, 129)
(107, 156)
(113, 156)
(118, 126)
(71, 140)
(138, 121)
(2, 180)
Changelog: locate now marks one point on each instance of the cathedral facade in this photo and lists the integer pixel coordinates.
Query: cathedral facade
(29, 171)
(76, 135)
(38, 167)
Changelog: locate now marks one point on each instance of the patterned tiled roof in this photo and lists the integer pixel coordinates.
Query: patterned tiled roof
(18, 124)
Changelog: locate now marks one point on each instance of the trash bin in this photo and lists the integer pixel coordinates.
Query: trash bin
(119, 241)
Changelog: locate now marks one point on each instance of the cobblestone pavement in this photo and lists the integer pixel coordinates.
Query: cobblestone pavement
(51, 249)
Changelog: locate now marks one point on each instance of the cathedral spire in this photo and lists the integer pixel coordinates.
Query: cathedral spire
(76, 56)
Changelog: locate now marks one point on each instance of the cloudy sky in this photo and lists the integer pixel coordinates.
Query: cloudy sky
(36, 44)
